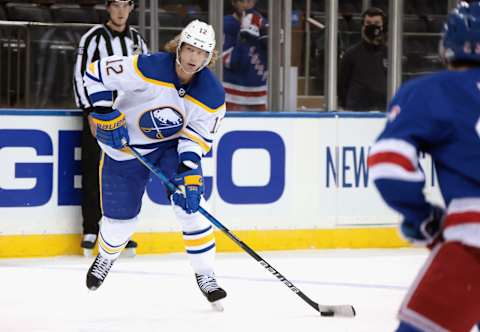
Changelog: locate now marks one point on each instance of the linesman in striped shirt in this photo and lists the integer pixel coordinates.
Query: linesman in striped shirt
(115, 37)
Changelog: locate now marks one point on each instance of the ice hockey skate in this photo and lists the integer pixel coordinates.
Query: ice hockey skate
(209, 287)
(98, 272)
(88, 244)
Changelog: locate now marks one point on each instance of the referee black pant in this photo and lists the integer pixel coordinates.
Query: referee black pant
(91, 210)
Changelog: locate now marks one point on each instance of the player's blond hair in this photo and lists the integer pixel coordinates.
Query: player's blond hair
(171, 47)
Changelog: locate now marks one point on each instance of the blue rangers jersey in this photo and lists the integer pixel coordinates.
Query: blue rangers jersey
(244, 65)
(157, 106)
(440, 115)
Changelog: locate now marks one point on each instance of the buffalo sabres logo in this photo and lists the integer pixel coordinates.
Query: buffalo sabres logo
(161, 122)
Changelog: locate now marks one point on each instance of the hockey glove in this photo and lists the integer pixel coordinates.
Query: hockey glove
(426, 233)
(250, 25)
(190, 189)
(110, 128)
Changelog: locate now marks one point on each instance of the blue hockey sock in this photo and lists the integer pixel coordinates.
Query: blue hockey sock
(405, 327)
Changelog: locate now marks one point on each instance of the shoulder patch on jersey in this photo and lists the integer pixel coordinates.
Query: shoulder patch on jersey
(393, 113)
(207, 92)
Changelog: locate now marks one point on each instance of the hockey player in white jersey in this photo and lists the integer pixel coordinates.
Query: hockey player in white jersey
(169, 108)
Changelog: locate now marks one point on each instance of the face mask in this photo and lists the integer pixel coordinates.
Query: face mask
(373, 31)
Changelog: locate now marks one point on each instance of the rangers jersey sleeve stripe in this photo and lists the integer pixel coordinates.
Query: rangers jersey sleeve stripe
(398, 146)
(255, 90)
(394, 172)
(394, 159)
(462, 218)
(391, 158)
(463, 210)
(462, 222)
(393, 165)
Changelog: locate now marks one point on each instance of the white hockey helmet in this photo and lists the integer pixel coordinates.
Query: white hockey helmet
(130, 2)
(198, 34)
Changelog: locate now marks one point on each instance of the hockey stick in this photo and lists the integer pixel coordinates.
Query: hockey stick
(324, 310)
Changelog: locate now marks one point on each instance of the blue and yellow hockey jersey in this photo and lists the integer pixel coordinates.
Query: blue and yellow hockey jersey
(157, 106)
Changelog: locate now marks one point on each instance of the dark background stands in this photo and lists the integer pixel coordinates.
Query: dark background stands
(362, 77)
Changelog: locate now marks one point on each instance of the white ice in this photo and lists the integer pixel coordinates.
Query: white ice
(158, 293)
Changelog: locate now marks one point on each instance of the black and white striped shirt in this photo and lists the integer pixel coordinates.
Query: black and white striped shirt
(100, 42)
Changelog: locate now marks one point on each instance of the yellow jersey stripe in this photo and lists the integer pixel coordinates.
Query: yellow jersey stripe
(100, 168)
(197, 139)
(149, 80)
(200, 241)
(202, 105)
(172, 86)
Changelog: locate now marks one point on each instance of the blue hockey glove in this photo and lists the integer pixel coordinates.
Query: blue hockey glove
(427, 232)
(110, 128)
(190, 185)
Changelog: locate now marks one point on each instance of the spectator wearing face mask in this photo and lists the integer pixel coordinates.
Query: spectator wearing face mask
(362, 79)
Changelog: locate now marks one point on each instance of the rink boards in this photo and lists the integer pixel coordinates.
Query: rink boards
(280, 181)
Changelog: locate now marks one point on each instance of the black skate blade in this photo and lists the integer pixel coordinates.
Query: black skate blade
(345, 310)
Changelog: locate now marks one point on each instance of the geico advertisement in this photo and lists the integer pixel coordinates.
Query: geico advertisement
(263, 173)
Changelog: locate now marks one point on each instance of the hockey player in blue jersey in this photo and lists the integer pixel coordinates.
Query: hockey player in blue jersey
(439, 114)
(245, 58)
(169, 108)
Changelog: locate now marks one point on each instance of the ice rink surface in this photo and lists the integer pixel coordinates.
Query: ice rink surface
(159, 293)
